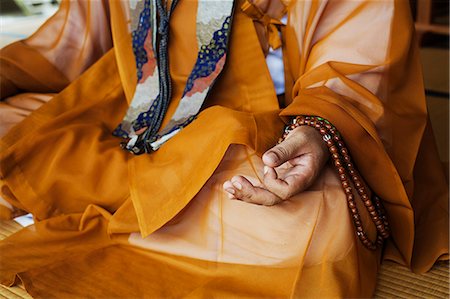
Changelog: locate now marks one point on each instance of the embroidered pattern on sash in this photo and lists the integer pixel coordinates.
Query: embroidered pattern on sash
(210, 62)
(213, 27)
(147, 89)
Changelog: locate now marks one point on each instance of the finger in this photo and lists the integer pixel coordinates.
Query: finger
(269, 172)
(296, 180)
(285, 151)
(245, 191)
(275, 185)
(229, 188)
(306, 171)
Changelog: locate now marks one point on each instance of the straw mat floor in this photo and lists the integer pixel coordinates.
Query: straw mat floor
(394, 281)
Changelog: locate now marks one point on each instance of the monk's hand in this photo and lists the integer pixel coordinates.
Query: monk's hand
(290, 168)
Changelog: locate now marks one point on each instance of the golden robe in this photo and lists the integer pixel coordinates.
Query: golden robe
(110, 224)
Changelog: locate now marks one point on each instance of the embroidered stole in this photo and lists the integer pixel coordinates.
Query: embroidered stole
(212, 31)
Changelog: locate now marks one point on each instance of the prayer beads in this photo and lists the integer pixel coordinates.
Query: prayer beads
(351, 181)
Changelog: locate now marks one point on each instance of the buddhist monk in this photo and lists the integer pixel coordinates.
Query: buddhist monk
(196, 148)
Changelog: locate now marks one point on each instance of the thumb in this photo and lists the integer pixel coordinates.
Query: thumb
(285, 151)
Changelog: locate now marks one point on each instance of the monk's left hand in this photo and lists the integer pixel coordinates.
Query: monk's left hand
(290, 168)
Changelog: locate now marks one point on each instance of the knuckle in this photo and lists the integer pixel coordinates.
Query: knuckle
(273, 201)
(270, 202)
(248, 197)
(282, 150)
(282, 193)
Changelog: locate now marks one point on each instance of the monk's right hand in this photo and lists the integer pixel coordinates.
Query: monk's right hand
(290, 168)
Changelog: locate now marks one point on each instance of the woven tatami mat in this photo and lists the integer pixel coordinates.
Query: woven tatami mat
(394, 281)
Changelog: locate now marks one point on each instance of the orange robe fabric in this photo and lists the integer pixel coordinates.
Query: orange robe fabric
(159, 225)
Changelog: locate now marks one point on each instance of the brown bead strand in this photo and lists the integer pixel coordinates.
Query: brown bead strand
(345, 169)
(374, 210)
(345, 183)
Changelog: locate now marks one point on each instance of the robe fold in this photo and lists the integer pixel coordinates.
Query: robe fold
(110, 224)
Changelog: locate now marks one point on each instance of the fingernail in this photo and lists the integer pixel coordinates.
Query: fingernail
(231, 191)
(231, 196)
(266, 169)
(272, 157)
(237, 185)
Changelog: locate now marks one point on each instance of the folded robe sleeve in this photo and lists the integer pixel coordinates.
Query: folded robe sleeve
(358, 68)
(63, 48)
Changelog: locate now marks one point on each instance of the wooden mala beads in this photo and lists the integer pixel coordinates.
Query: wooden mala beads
(351, 181)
